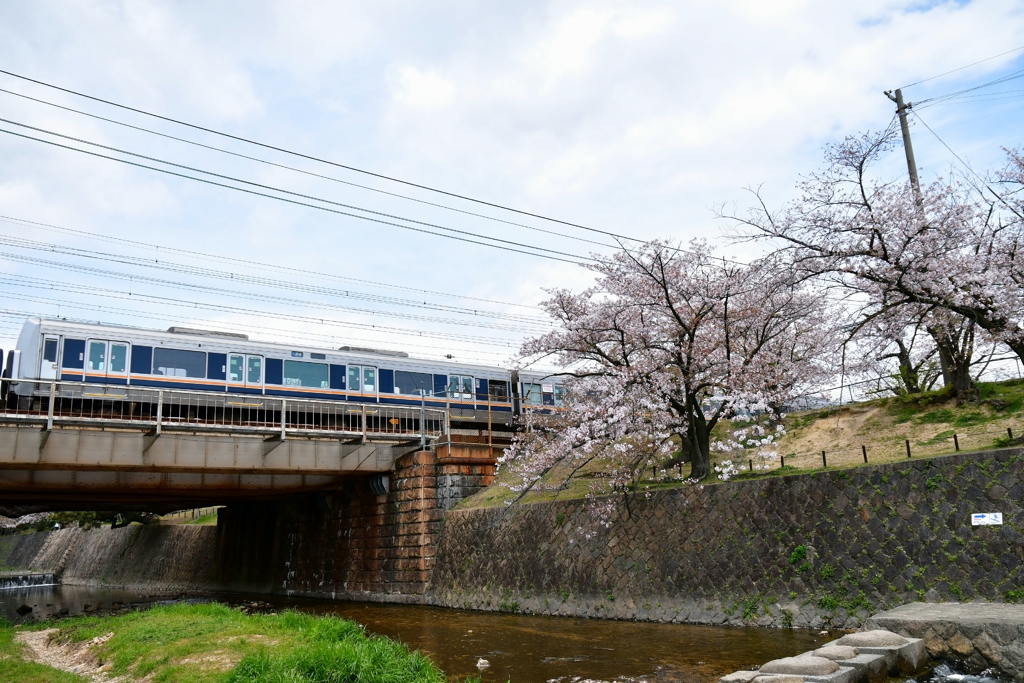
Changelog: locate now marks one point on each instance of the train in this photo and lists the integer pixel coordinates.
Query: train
(198, 360)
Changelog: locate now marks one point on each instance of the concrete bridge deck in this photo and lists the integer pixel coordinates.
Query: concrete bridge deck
(77, 444)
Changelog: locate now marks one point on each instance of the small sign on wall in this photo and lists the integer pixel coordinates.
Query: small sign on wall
(986, 518)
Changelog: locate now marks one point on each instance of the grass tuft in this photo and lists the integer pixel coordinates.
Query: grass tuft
(213, 643)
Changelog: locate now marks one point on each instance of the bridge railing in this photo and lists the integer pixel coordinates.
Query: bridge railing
(77, 403)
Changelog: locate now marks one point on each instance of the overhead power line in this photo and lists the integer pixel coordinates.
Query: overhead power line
(931, 101)
(507, 245)
(966, 66)
(248, 263)
(967, 166)
(316, 159)
(308, 173)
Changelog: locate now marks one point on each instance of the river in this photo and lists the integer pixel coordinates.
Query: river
(519, 648)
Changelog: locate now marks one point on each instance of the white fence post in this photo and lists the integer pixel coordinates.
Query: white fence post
(159, 410)
(49, 410)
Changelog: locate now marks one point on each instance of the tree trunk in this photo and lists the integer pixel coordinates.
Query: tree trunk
(698, 434)
(955, 344)
(908, 373)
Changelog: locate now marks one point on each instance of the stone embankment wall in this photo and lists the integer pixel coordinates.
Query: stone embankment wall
(346, 544)
(151, 558)
(813, 550)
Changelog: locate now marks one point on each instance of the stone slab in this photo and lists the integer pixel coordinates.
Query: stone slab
(802, 665)
(743, 676)
(906, 658)
(976, 613)
(845, 674)
(874, 666)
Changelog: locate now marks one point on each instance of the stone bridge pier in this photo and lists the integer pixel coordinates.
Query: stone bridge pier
(358, 542)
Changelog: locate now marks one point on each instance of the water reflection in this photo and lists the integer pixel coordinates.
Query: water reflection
(520, 649)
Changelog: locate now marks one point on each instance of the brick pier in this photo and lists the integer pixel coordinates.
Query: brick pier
(352, 544)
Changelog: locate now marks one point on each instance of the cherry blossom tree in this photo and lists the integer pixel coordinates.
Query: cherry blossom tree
(949, 251)
(667, 345)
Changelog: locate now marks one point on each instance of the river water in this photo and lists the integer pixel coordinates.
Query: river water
(520, 649)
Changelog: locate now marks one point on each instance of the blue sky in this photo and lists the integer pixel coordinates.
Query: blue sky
(633, 118)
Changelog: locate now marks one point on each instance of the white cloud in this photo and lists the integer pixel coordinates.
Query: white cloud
(422, 91)
(627, 116)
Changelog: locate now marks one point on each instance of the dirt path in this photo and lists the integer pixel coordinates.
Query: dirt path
(76, 658)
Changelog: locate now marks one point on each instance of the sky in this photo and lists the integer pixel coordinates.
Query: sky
(632, 119)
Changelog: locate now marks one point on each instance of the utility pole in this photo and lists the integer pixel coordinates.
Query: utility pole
(901, 111)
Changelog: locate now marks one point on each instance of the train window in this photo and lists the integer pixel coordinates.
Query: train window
(301, 374)
(559, 394)
(254, 370)
(355, 374)
(118, 357)
(235, 364)
(179, 363)
(498, 390)
(460, 386)
(411, 383)
(369, 380)
(50, 351)
(532, 394)
(97, 356)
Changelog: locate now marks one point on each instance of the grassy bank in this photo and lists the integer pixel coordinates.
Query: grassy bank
(933, 424)
(208, 643)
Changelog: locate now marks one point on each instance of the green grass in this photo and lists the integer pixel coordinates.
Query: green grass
(205, 520)
(212, 643)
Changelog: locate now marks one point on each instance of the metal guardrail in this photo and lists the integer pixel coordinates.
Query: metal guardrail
(80, 404)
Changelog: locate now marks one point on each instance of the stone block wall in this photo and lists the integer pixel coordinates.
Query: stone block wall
(811, 550)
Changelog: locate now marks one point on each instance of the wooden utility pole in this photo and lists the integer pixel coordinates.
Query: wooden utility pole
(901, 111)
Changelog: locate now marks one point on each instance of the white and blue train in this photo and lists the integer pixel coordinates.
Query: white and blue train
(209, 361)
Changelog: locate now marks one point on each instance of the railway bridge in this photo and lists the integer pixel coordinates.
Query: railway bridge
(71, 445)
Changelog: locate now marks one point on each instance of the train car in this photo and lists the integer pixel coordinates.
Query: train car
(225, 362)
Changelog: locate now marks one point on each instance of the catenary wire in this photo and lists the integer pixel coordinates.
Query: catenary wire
(278, 189)
(312, 158)
(249, 263)
(259, 331)
(222, 291)
(62, 286)
(311, 173)
(171, 266)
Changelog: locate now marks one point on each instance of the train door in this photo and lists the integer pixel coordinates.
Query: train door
(461, 388)
(245, 371)
(362, 380)
(48, 362)
(106, 361)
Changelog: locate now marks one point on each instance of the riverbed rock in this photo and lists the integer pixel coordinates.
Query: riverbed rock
(836, 652)
(876, 638)
(804, 665)
(743, 676)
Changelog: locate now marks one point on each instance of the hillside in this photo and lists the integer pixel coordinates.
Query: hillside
(928, 421)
